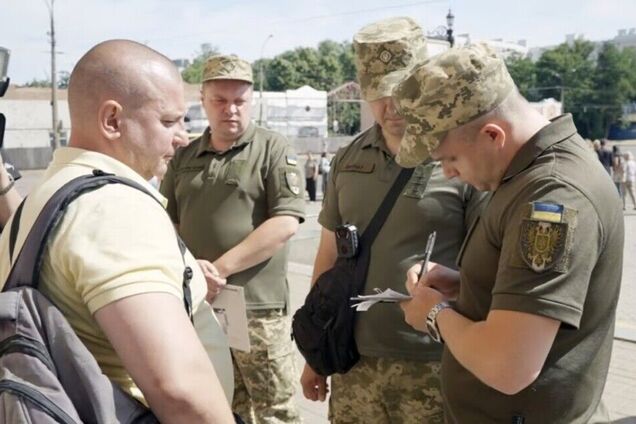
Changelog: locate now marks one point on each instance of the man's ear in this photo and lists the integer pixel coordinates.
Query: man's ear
(494, 133)
(109, 119)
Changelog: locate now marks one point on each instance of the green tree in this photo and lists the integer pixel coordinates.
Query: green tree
(325, 67)
(566, 73)
(192, 74)
(523, 72)
(63, 79)
(614, 85)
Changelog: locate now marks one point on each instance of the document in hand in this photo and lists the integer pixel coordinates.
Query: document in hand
(229, 308)
(386, 296)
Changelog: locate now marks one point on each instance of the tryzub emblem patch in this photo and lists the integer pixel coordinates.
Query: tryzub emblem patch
(544, 239)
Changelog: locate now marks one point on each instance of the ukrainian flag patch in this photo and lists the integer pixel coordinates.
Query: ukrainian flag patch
(547, 212)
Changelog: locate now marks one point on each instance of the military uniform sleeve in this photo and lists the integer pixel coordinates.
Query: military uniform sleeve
(329, 216)
(285, 182)
(550, 242)
(167, 188)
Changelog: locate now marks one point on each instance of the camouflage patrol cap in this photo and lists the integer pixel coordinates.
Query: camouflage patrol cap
(227, 67)
(446, 92)
(383, 51)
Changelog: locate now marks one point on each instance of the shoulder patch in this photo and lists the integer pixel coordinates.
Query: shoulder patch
(291, 159)
(546, 236)
(293, 181)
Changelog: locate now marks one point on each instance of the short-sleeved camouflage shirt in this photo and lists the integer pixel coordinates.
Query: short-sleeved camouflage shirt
(361, 175)
(219, 198)
(550, 243)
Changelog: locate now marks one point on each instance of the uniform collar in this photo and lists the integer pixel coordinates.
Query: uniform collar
(204, 146)
(65, 156)
(376, 139)
(559, 129)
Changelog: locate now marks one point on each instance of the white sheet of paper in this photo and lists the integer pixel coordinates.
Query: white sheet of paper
(230, 310)
(387, 296)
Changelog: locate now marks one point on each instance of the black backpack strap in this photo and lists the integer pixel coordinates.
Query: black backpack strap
(26, 267)
(15, 226)
(375, 225)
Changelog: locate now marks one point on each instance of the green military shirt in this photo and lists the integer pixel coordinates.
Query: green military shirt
(361, 175)
(550, 243)
(218, 199)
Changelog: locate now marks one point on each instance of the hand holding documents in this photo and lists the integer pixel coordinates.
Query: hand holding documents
(386, 296)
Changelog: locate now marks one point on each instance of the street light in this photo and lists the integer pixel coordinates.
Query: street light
(4, 66)
(56, 135)
(260, 81)
(4, 84)
(450, 19)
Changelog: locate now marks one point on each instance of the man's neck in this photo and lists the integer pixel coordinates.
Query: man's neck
(392, 142)
(219, 144)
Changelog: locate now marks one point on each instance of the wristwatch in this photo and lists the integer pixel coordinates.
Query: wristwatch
(431, 321)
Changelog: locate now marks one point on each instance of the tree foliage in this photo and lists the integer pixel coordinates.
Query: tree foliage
(192, 74)
(325, 67)
(593, 84)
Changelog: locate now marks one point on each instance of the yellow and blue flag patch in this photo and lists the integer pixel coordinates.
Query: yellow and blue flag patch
(547, 212)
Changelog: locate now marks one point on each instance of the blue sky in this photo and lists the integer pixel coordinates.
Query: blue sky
(177, 28)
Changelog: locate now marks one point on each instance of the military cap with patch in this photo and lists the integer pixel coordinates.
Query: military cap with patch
(227, 67)
(446, 92)
(383, 51)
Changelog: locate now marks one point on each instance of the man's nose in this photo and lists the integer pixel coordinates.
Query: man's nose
(180, 139)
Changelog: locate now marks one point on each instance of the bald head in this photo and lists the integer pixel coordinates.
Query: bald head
(121, 70)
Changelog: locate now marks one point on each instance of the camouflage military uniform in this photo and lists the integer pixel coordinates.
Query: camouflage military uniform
(549, 243)
(397, 379)
(218, 199)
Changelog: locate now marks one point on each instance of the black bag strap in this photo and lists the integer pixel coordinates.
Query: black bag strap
(376, 223)
(374, 227)
(26, 267)
(15, 226)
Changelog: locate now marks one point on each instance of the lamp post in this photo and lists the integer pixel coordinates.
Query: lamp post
(4, 84)
(260, 82)
(450, 19)
(4, 66)
(54, 126)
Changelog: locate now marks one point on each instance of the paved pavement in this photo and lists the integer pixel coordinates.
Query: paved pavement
(620, 391)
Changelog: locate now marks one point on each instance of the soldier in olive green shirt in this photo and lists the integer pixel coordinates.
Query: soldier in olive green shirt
(236, 196)
(397, 379)
(529, 339)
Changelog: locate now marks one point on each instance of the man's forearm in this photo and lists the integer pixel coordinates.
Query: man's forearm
(506, 352)
(260, 245)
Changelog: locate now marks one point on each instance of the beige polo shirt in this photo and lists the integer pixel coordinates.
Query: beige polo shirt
(112, 243)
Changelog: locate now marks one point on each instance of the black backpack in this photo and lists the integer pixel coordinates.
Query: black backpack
(47, 375)
(323, 326)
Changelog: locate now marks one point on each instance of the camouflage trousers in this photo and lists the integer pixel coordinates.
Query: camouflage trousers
(264, 378)
(382, 390)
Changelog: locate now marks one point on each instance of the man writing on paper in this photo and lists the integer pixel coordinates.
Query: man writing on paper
(529, 339)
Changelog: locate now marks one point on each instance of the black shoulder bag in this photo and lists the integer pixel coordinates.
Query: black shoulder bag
(323, 326)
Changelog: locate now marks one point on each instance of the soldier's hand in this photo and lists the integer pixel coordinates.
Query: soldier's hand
(424, 298)
(443, 279)
(212, 277)
(315, 386)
